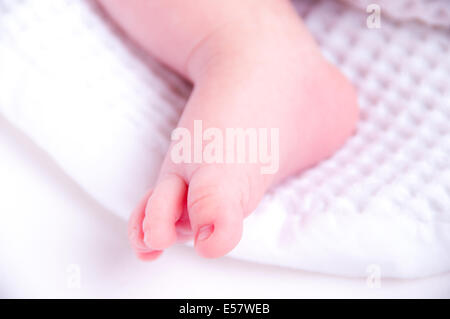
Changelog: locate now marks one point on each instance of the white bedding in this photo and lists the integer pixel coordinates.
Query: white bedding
(104, 111)
(51, 232)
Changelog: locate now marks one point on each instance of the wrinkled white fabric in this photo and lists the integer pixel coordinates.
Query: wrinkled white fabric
(104, 111)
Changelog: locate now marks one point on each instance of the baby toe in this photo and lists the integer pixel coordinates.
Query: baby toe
(216, 214)
(164, 208)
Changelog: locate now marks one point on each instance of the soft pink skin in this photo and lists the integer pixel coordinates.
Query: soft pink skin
(253, 64)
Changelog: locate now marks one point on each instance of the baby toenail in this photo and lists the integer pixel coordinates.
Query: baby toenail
(204, 232)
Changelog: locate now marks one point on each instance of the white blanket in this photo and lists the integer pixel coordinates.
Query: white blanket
(104, 111)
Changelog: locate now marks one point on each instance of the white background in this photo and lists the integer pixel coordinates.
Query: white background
(40, 243)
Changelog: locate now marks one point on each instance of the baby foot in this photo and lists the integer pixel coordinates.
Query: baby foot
(253, 65)
(276, 83)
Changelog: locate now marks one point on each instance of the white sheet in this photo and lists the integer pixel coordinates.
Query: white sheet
(104, 112)
(50, 231)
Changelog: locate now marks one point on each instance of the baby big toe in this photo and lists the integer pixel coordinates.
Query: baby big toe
(216, 215)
